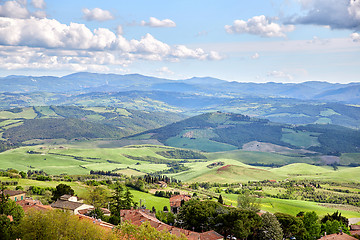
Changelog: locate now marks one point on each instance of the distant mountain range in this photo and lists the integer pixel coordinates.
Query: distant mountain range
(94, 82)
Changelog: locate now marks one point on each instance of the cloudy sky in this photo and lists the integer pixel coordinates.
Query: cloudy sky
(237, 40)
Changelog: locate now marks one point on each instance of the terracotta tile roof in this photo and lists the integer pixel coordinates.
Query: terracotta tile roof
(66, 204)
(98, 222)
(354, 227)
(65, 197)
(13, 192)
(337, 237)
(37, 207)
(28, 202)
(139, 216)
(175, 200)
(210, 235)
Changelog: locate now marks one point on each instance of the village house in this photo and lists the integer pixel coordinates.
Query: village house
(70, 203)
(175, 202)
(28, 204)
(337, 237)
(139, 216)
(355, 230)
(15, 195)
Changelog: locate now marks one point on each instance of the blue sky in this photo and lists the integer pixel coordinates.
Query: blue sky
(247, 41)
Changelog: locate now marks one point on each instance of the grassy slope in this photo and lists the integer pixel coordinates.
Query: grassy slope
(300, 169)
(150, 200)
(79, 188)
(291, 206)
(94, 159)
(238, 172)
(259, 157)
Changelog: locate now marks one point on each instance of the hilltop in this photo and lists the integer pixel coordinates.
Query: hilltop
(219, 131)
(64, 122)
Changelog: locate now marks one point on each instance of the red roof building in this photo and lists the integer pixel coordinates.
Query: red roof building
(176, 200)
(139, 216)
(337, 237)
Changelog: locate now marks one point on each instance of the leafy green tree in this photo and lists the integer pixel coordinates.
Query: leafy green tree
(97, 213)
(60, 190)
(248, 202)
(9, 208)
(120, 199)
(291, 226)
(220, 200)
(166, 217)
(59, 225)
(98, 197)
(197, 214)
(312, 225)
(128, 199)
(335, 216)
(145, 231)
(271, 228)
(236, 222)
(6, 228)
(206, 215)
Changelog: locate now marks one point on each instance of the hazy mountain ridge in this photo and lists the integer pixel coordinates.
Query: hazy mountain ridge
(95, 82)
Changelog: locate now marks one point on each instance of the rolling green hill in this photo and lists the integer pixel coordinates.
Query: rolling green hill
(67, 122)
(218, 131)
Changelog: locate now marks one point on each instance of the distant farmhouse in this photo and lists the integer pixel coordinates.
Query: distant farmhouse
(176, 201)
(70, 203)
(15, 195)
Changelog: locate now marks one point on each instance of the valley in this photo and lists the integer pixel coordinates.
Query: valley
(291, 155)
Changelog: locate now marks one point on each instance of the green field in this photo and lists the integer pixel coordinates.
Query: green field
(297, 169)
(80, 161)
(26, 113)
(293, 207)
(300, 139)
(202, 144)
(65, 159)
(150, 200)
(79, 188)
(265, 158)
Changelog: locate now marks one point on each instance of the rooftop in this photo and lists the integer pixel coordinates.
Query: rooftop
(13, 192)
(139, 216)
(337, 237)
(66, 204)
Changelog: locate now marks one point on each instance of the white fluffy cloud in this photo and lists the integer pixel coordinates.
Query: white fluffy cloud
(154, 22)
(14, 9)
(355, 37)
(46, 43)
(259, 25)
(38, 4)
(280, 74)
(338, 14)
(255, 56)
(165, 71)
(97, 14)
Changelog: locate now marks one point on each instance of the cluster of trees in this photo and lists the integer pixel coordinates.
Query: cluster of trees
(51, 128)
(6, 145)
(154, 178)
(181, 154)
(175, 168)
(334, 139)
(166, 194)
(243, 222)
(106, 173)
